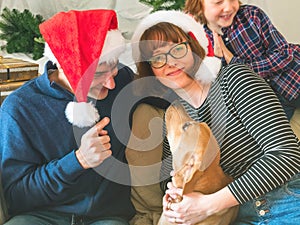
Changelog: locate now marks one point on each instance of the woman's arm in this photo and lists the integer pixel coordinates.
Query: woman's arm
(277, 153)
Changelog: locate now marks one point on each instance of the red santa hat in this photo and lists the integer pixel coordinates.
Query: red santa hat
(77, 41)
(210, 65)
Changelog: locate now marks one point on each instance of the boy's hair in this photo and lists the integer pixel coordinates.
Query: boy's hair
(158, 36)
(195, 8)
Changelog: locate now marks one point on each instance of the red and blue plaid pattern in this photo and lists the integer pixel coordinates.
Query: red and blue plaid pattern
(254, 41)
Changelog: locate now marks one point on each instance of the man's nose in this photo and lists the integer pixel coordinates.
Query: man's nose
(110, 83)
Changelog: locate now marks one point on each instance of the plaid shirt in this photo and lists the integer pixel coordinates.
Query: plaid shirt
(254, 41)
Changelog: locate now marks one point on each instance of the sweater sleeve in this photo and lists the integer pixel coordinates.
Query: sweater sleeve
(25, 177)
(262, 115)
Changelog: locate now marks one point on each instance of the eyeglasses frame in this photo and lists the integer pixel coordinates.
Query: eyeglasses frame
(169, 53)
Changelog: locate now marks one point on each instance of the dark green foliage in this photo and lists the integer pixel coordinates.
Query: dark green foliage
(19, 30)
(164, 4)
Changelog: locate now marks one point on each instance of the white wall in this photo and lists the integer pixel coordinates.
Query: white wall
(129, 11)
(284, 14)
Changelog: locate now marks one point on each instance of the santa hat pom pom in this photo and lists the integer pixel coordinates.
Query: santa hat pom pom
(82, 114)
(209, 69)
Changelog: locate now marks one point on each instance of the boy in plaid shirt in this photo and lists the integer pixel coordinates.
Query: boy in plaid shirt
(245, 34)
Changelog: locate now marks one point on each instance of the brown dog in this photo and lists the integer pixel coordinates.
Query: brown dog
(196, 158)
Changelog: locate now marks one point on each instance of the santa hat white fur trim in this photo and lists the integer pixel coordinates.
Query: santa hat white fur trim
(209, 67)
(82, 114)
(114, 46)
(49, 54)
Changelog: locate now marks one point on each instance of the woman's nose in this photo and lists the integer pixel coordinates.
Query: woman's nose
(171, 61)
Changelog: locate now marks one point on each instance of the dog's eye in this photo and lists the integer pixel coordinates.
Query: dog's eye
(186, 125)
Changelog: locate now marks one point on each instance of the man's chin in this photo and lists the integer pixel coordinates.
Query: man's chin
(99, 95)
(102, 95)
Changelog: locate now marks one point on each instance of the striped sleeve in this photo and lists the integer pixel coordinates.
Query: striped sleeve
(166, 166)
(278, 158)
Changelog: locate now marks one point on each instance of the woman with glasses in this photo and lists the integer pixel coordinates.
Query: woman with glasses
(258, 148)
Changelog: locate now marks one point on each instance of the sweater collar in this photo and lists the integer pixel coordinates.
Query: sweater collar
(51, 88)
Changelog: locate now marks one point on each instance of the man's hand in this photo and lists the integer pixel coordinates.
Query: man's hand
(95, 146)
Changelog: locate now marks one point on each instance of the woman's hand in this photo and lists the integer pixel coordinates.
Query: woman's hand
(191, 210)
(195, 207)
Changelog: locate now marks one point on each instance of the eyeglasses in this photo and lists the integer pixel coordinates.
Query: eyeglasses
(177, 52)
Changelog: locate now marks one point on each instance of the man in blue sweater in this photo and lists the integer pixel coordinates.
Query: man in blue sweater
(61, 160)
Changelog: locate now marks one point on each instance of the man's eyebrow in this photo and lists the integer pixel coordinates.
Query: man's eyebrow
(112, 66)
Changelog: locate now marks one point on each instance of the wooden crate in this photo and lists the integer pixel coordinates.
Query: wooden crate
(12, 70)
(7, 88)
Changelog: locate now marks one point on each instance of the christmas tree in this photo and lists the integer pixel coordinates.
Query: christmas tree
(164, 4)
(20, 30)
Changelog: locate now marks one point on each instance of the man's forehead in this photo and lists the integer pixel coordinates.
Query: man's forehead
(105, 67)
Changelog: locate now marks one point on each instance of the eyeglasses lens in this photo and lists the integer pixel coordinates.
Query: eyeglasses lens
(177, 52)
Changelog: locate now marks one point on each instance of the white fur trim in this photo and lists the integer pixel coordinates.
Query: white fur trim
(183, 20)
(49, 54)
(114, 46)
(82, 114)
(209, 67)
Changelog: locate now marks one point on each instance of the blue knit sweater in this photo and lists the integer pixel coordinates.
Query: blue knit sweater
(37, 150)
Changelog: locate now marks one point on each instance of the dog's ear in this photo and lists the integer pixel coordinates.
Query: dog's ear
(212, 148)
(189, 186)
(175, 118)
(202, 157)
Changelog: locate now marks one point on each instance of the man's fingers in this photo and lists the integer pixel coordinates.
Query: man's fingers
(98, 128)
(104, 139)
(106, 154)
(106, 146)
(102, 132)
(102, 123)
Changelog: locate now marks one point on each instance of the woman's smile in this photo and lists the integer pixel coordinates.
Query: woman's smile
(175, 72)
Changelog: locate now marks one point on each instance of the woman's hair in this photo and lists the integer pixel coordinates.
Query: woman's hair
(195, 8)
(158, 36)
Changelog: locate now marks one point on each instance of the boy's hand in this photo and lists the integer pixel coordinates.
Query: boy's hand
(218, 45)
(220, 49)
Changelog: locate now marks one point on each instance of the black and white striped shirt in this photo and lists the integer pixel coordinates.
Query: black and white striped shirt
(258, 148)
